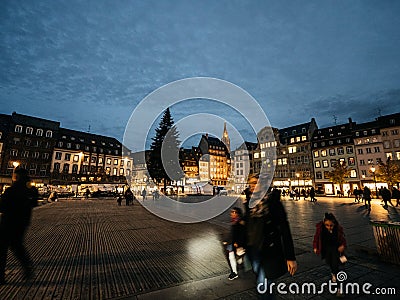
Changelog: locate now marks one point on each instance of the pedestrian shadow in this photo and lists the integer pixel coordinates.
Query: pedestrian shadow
(393, 214)
(348, 204)
(362, 208)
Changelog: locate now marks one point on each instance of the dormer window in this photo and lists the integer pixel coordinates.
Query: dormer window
(39, 132)
(18, 128)
(29, 130)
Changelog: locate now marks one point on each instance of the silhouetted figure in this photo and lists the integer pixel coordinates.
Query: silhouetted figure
(144, 193)
(356, 193)
(367, 198)
(119, 200)
(386, 196)
(16, 206)
(128, 197)
(312, 195)
(396, 195)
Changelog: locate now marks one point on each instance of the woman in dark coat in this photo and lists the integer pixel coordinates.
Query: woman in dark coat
(269, 240)
(16, 206)
(329, 242)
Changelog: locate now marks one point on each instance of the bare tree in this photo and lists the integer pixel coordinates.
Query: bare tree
(339, 174)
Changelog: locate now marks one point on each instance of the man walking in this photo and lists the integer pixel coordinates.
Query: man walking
(16, 206)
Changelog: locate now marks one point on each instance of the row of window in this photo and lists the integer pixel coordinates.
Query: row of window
(369, 150)
(34, 143)
(82, 140)
(370, 161)
(85, 169)
(392, 132)
(318, 175)
(298, 139)
(86, 148)
(29, 130)
(93, 159)
(325, 163)
(294, 131)
(26, 154)
(268, 145)
(332, 142)
(333, 151)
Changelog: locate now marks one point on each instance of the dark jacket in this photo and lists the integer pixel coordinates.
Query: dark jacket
(317, 242)
(16, 206)
(238, 234)
(269, 235)
(386, 194)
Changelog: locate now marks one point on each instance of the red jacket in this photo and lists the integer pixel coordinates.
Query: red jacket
(317, 242)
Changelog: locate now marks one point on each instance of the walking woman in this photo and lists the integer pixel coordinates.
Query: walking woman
(329, 242)
(16, 206)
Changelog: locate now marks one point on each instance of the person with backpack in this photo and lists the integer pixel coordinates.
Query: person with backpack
(269, 240)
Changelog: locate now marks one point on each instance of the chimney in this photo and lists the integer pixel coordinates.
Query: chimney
(350, 120)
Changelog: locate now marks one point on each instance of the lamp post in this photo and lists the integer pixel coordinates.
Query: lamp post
(298, 181)
(373, 174)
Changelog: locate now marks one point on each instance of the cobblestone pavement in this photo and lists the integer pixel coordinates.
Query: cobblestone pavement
(94, 249)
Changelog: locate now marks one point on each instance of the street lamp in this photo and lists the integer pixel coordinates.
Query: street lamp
(15, 164)
(373, 173)
(298, 182)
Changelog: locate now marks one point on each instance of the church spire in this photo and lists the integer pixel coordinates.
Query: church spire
(225, 138)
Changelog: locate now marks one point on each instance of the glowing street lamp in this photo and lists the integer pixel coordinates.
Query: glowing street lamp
(298, 182)
(15, 164)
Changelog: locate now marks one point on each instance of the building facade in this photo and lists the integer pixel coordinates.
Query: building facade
(27, 142)
(242, 160)
(294, 167)
(214, 164)
(369, 152)
(85, 158)
(330, 146)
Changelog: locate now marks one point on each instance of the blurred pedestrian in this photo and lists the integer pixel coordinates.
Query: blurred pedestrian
(128, 196)
(119, 200)
(144, 192)
(312, 195)
(396, 195)
(386, 197)
(355, 193)
(16, 206)
(269, 240)
(237, 241)
(329, 242)
(367, 198)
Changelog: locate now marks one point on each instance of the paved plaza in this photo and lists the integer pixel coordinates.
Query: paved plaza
(95, 249)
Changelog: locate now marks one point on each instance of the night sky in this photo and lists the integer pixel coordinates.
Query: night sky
(89, 63)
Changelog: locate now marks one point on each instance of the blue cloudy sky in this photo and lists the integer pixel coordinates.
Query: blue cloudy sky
(91, 62)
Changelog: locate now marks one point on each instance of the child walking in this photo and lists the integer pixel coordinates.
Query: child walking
(329, 242)
(238, 240)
